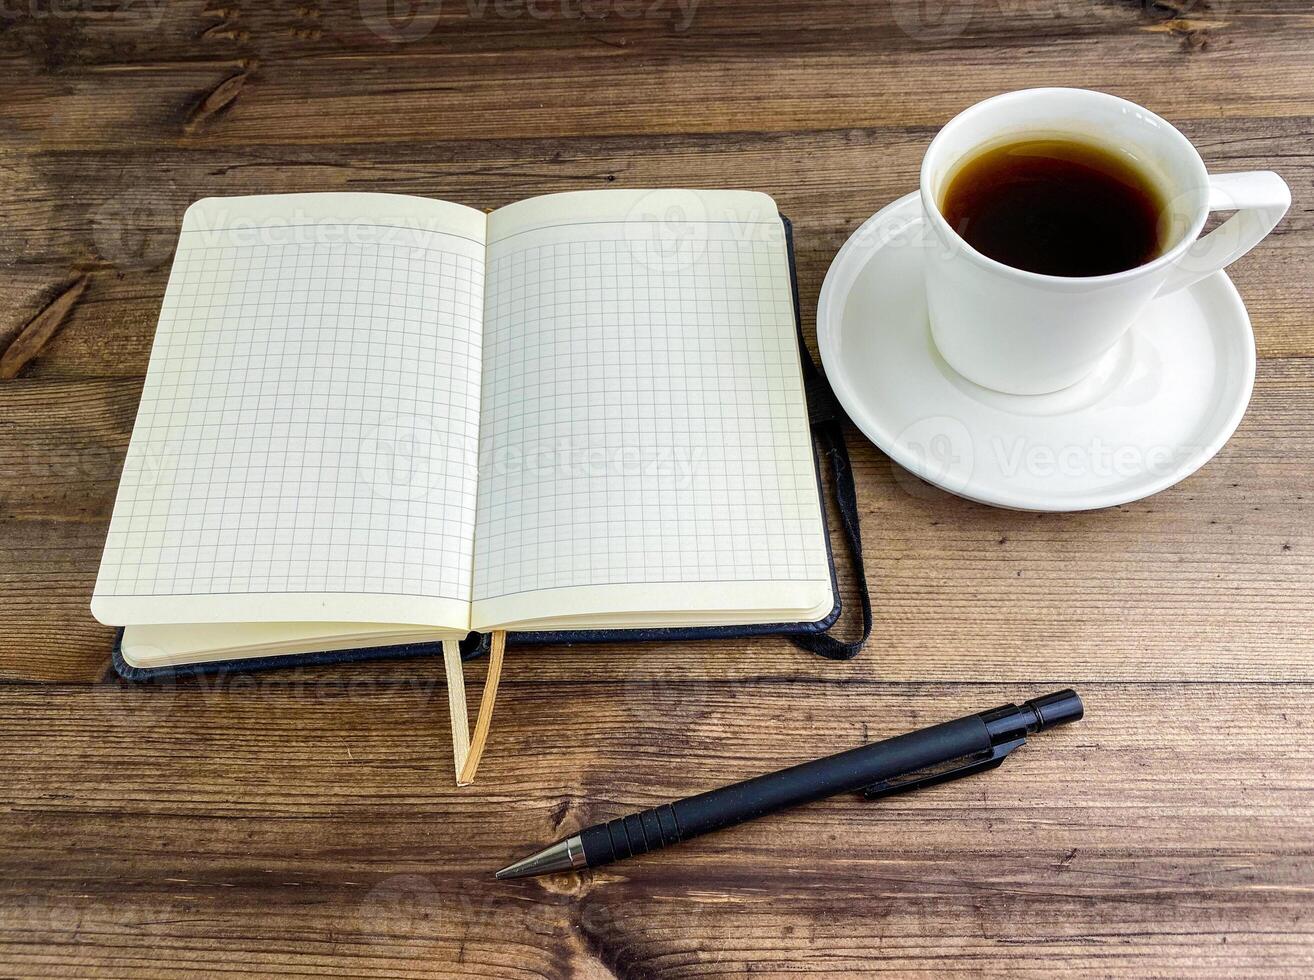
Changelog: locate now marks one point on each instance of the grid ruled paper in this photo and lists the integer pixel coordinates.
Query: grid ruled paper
(643, 416)
(309, 424)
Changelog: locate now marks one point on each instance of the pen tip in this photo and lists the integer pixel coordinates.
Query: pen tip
(561, 856)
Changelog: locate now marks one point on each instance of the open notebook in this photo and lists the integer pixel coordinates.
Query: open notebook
(373, 420)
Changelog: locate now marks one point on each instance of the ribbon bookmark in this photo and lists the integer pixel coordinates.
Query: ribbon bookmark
(465, 752)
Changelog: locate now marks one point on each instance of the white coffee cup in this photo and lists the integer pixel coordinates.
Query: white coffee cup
(1026, 333)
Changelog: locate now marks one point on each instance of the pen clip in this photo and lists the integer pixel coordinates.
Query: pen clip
(932, 777)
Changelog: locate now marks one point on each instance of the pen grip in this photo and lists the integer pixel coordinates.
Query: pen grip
(625, 837)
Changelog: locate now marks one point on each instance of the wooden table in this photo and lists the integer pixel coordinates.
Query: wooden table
(304, 822)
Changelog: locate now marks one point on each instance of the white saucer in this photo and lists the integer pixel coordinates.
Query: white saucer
(1159, 406)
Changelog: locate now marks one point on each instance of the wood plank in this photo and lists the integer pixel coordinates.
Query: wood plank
(328, 810)
(729, 71)
(1213, 578)
(124, 227)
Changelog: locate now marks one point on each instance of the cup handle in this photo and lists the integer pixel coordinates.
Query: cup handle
(1260, 198)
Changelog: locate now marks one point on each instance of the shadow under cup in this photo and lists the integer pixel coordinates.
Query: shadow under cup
(1028, 333)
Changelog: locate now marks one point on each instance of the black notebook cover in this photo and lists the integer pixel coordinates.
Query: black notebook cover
(476, 643)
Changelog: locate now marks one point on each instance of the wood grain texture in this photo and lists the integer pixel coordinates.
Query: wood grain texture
(303, 822)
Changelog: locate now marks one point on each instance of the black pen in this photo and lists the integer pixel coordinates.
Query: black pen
(933, 755)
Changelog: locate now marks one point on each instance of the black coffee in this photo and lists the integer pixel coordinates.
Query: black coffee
(1059, 207)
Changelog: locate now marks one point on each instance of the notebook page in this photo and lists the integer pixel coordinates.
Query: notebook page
(307, 439)
(644, 436)
(190, 643)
